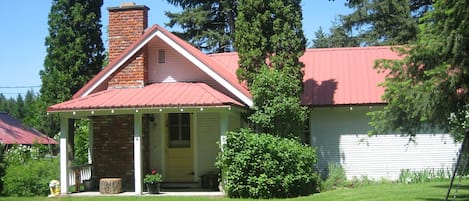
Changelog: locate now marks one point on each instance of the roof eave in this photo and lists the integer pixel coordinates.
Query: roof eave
(78, 112)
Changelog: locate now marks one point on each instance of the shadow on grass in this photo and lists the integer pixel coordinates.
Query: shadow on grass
(462, 186)
(461, 194)
(458, 198)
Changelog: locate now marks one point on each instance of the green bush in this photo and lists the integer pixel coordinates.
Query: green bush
(265, 166)
(26, 174)
(2, 165)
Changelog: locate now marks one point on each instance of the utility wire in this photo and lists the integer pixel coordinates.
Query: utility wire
(18, 87)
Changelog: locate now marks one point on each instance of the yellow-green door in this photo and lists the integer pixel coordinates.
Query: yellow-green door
(179, 148)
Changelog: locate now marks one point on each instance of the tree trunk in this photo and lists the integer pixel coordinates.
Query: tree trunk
(110, 186)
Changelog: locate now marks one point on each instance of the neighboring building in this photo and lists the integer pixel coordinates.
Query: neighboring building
(341, 86)
(14, 132)
(163, 104)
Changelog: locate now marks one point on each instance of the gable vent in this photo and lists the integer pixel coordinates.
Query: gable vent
(161, 56)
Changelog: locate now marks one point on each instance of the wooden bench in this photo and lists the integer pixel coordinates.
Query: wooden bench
(110, 185)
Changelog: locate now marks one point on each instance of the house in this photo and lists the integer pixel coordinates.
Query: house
(341, 87)
(14, 132)
(163, 104)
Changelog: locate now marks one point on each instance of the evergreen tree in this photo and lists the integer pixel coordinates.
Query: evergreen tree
(12, 108)
(30, 109)
(339, 37)
(382, 22)
(2, 103)
(431, 84)
(74, 54)
(321, 39)
(269, 40)
(208, 25)
(20, 108)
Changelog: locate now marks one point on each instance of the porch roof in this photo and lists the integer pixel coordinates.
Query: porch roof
(176, 94)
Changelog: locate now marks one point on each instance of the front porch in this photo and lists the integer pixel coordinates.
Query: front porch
(164, 193)
(129, 143)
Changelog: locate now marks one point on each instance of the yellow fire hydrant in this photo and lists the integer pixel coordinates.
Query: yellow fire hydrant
(54, 186)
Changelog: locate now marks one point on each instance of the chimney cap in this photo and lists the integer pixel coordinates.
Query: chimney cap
(127, 6)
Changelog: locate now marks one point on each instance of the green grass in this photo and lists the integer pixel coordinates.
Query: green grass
(431, 191)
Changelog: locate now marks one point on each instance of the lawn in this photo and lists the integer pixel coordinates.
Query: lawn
(431, 191)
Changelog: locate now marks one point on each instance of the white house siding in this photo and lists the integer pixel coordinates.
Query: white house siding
(209, 135)
(340, 136)
(234, 120)
(156, 145)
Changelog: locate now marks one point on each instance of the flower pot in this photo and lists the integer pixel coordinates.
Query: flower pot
(153, 188)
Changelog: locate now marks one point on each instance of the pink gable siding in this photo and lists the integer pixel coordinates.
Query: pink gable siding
(175, 67)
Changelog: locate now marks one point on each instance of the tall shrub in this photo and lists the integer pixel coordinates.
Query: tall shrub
(265, 166)
(28, 172)
(269, 39)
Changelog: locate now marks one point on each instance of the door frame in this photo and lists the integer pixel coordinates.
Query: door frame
(194, 142)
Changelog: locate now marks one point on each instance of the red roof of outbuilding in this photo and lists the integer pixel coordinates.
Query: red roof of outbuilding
(174, 94)
(335, 76)
(13, 132)
(344, 76)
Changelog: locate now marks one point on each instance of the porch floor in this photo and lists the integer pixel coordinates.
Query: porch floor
(171, 192)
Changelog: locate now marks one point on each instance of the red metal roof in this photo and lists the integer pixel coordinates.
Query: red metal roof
(175, 94)
(335, 76)
(13, 132)
(343, 76)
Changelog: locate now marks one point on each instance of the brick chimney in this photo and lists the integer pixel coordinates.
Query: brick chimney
(126, 24)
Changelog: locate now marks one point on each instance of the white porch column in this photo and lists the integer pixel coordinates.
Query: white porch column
(138, 153)
(223, 128)
(63, 155)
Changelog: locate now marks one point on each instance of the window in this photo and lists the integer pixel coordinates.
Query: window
(179, 130)
(161, 56)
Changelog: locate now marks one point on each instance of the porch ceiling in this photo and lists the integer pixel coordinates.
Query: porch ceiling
(155, 95)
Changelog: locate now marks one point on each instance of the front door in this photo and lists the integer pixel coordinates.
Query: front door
(179, 148)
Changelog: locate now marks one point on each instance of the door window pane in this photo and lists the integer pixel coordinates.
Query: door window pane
(179, 130)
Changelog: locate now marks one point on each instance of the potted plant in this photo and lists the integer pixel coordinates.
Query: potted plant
(152, 182)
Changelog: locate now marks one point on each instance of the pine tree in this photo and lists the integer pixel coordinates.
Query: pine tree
(2, 103)
(321, 39)
(30, 109)
(269, 39)
(431, 84)
(208, 25)
(382, 22)
(74, 54)
(20, 110)
(339, 37)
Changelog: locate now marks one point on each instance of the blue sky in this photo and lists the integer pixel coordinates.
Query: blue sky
(23, 29)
